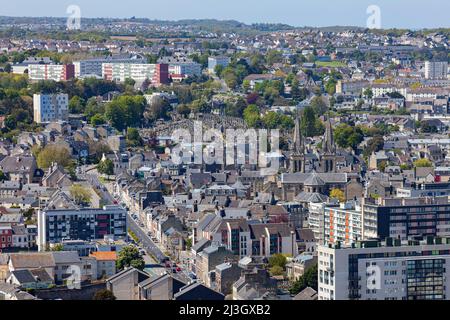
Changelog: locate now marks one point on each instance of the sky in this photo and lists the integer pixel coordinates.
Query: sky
(413, 14)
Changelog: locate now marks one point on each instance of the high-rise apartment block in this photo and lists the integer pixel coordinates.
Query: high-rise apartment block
(50, 107)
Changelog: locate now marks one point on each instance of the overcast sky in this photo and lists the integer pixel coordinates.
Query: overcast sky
(394, 13)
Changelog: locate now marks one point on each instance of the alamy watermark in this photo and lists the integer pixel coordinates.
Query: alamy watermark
(232, 147)
(74, 18)
(374, 19)
(73, 281)
(373, 277)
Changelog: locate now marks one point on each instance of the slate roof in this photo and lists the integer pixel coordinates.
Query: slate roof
(32, 260)
(327, 178)
(306, 294)
(23, 276)
(66, 257)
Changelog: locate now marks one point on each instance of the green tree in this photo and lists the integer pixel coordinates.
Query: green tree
(319, 106)
(310, 124)
(106, 167)
(58, 247)
(278, 260)
(53, 153)
(76, 105)
(347, 136)
(130, 257)
(337, 194)
(80, 194)
(276, 271)
(133, 137)
(158, 109)
(236, 108)
(183, 109)
(97, 120)
(308, 279)
(126, 111)
(423, 163)
(252, 116)
(368, 93)
(374, 145)
(273, 56)
(330, 86)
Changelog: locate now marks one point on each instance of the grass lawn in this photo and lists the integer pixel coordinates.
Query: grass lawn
(330, 64)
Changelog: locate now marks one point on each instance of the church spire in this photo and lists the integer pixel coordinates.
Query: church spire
(299, 144)
(328, 146)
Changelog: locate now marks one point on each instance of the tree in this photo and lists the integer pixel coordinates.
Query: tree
(97, 120)
(330, 86)
(158, 109)
(80, 194)
(76, 105)
(310, 124)
(276, 271)
(98, 149)
(236, 108)
(278, 260)
(382, 165)
(130, 257)
(104, 294)
(337, 194)
(252, 116)
(319, 106)
(426, 127)
(125, 111)
(273, 56)
(308, 279)
(368, 93)
(347, 136)
(423, 163)
(184, 110)
(106, 167)
(53, 153)
(133, 137)
(3, 177)
(58, 247)
(374, 145)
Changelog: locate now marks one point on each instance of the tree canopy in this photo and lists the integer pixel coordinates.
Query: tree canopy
(130, 257)
(53, 153)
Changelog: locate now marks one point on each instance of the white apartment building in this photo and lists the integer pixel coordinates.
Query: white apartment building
(316, 220)
(217, 61)
(93, 67)
(50, 107)
(55, 72)
(182, 66)
(343, 223)
(122, 71)
(391, 270)
(436, 69)
(351, 87)
(380, 89)
(187, 69)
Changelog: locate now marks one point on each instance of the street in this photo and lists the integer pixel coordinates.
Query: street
(151, 248)
(96, 184)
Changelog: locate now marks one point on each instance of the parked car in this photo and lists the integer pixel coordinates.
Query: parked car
(192, 276)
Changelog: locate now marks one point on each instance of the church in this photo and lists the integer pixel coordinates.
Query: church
(315, 174)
